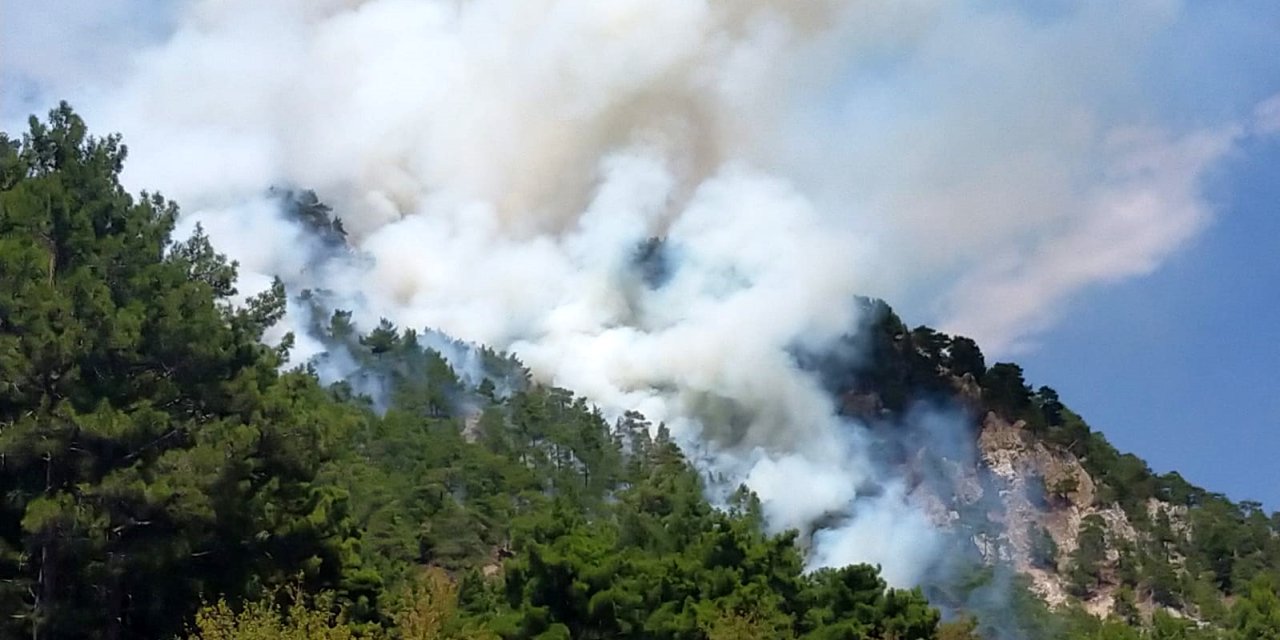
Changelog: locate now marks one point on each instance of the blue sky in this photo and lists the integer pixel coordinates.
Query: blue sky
(1180, 367)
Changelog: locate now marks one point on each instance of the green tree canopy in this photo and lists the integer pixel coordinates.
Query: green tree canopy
(149, 450)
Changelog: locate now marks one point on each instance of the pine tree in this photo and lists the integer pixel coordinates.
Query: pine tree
(148, 448)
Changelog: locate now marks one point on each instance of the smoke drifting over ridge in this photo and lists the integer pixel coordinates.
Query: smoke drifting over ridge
(498, 162)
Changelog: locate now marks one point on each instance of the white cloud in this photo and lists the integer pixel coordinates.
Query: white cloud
(1146, 207)
(1266, 118)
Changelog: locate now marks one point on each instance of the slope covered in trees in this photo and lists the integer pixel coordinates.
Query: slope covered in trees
(1191, 557)
(153, 457)
(163, 477)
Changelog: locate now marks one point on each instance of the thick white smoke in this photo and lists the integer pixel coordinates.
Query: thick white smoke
(498, 162)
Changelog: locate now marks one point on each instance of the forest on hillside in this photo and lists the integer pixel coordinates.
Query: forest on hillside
(164, 475)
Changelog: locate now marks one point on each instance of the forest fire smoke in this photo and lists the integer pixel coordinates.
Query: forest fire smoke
(499, 165)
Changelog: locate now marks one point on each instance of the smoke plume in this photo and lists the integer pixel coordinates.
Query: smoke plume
(503, 166)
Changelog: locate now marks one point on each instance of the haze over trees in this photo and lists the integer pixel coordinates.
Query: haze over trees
(163, 475)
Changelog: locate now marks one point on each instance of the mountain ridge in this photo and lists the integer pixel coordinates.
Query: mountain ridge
(1041, 481)
(167, 473)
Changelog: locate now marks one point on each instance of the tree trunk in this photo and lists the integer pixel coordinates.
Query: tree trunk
(114, 596)
(45, 578)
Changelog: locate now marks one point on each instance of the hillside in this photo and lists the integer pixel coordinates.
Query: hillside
(1083, 524)
(167, 474)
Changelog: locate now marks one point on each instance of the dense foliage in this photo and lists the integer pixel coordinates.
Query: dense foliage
(153, 457)
(149, 450)
(162, 476)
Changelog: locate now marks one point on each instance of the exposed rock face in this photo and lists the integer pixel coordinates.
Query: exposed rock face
(1024, 470)
(1021, 488)
(471, 430)
(1020, 494)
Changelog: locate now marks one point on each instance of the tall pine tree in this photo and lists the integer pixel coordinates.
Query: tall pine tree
(149, 450)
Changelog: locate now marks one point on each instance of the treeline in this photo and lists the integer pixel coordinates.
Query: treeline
(162, 477)
(1197, 554)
